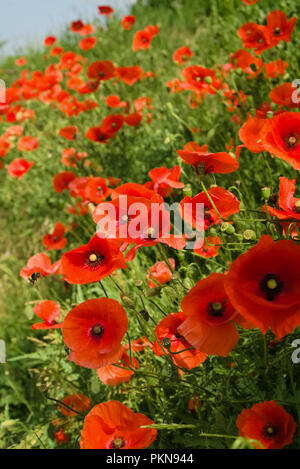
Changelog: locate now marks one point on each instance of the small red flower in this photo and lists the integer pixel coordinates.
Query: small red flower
(93, 261)
(78, 402)
(205, 163)
(101, 70)
(62, 180)
(48, 311)
(160, 272)
(87, 43)
(168, 329)
(164, 180)
(113, 375)
(280, 27)
(129, 75)
(141, 40)
(39, 263)
(55, 240)
(19, 167)
(128, 21)
(27, 143)
(182, 55)
(93, 331)
(70, 132)
(105, 10)
(268, 423)
(49, 41)
(112, 425)
(209, 248)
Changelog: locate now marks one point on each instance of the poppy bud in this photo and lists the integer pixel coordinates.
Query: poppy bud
(270, 114)
(166, 343)
(249, 234)
(152, 291)
(227, 228)
(213, 231)
(266, 192)
(139, 283)
(145, 314)
(127, 300)
(208, 80)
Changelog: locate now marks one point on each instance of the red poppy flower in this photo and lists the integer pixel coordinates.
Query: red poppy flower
(55, 240)
(289, 206)
(134, 119)
(96, 190)
(168, 328)
(283, 95)
(27, 143)
(209, 314)
(48, 311)
(160, 272)
(276, 68)
(39, 263)
(70, 132)
(112, 425)
(19, 167)
(21, 61)
(49, 41)
(268, 288)
(128, 21)
(256, 37)
(62, 180)
(105, 10)
(113, 375)
(268, 423)
(225, 202)
(247, 62)
(87, 43)
(93, 261)
(280, 27)
(140, 344)
(111, 124)
(101, 70)
(60, 436)
(281, 137)
(76, 25)
(129, 75)
(141, 40)
(250, 134)
(181, 55)
(205, 163)
(96, 134)
(114, 101)
(93, 331)
(56, 51)
(209, 248)
(164, 180)
(78, 402)
(200, 80)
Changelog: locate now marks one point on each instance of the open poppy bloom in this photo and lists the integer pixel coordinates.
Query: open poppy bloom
(69, 132)
(128, 21)
(111, 124)
(181, 55)
(205, 163)
(93, 261)
(61, 437)
(281, 137)
(78, 402)
(19, 167)
(112, 425)
(249, 133)
(38, 264)
(113, 375)
(225, 202)
(141, 40)
(62, 180)
(280, 27)
(114, 101)
(96, 190)
(283, 95)
(55, 240)
(165, 179)
(87, 43)
(105, 10)
(96, 134)
(263, 285)
(129, 75)
(209, 319)
(160, 272)
(209, 248)
(288, 205)
(101, 70)
(247, 62)
(27, 143)
(47, 310)
(268, 423)
(257, 37)
(93, 331)
(168, 329)
(49, 41)
(200, 80)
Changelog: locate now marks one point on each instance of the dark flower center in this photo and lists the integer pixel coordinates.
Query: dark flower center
(97, 330)
(277, 31)
(273, 200)
(178, 336)
(292, 140)
(216, 309)
(271, 286)
(117, 443)
(94, 259)
(270, 430)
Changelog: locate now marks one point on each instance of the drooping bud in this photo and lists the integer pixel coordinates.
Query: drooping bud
(266, 192)
(249, 234)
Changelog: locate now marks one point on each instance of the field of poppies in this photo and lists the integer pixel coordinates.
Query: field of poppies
(118, 328)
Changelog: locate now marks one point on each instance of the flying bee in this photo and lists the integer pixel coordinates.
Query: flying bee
(34, 277)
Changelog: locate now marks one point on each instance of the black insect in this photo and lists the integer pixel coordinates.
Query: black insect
(34, 277)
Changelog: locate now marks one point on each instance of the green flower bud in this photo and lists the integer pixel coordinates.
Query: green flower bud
(127, 301)
(249, 234)
(266, 192)
(227, 228)
(270, 114)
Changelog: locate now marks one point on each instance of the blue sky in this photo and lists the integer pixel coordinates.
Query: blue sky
(26, 22)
